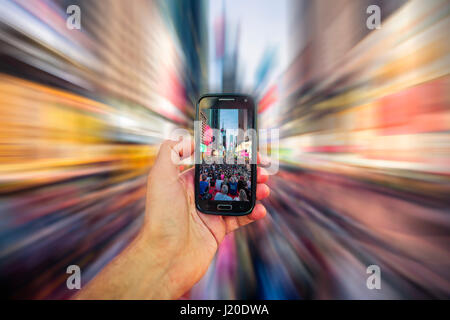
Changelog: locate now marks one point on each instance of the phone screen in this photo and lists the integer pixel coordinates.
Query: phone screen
(225, 172)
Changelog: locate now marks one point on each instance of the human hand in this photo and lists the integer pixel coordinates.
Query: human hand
(182, 239)
(176, 243)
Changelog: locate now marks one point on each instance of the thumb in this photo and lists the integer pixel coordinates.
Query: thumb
(170, 155)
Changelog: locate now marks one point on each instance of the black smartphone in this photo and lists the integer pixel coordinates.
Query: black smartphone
(225, 154)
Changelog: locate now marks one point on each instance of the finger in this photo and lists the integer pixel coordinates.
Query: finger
(262, 191)
(258, 212)
(261, 175)
(184, 147)
(176, 150)
(165, 152)
(167, 161)
(258, 158)
(233, 223)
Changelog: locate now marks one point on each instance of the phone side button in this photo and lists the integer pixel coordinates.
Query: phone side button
(224, 207)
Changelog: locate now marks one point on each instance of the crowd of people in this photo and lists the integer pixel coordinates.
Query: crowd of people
(225, 182)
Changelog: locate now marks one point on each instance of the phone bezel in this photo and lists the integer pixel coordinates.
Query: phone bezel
(239, 208)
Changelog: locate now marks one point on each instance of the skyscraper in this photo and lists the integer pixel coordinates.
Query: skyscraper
(243, 124)
(223, 131)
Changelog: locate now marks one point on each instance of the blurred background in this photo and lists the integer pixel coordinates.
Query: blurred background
(364, 152)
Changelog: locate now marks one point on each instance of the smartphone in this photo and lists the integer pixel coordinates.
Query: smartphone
(225, 154)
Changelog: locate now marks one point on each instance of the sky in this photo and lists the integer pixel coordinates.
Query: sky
(263, 24)
(229, 118)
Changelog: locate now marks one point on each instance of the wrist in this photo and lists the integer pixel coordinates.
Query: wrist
(164, 281)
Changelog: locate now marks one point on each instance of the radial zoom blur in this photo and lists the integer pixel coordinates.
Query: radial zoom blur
(363, 117)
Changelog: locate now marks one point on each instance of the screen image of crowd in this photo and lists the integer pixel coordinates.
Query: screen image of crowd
(225, 182)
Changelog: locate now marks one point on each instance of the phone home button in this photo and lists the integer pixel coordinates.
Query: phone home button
(224, 207)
